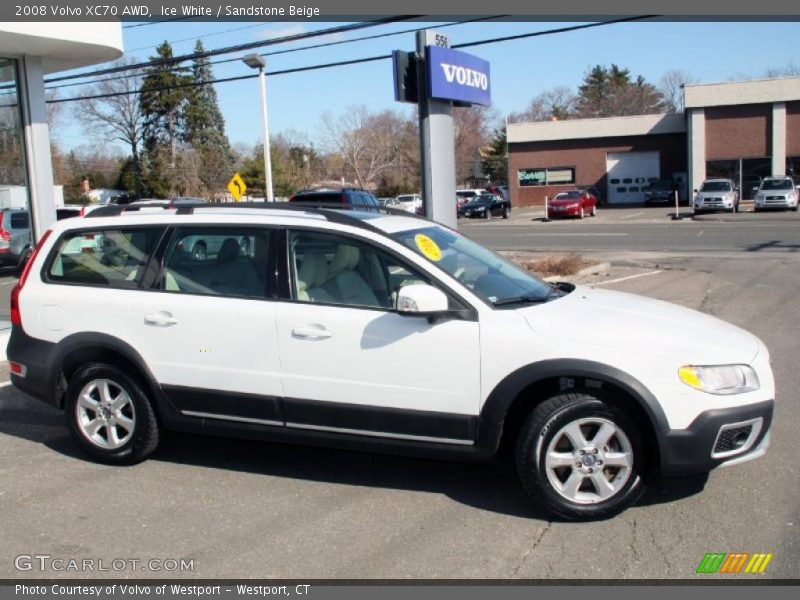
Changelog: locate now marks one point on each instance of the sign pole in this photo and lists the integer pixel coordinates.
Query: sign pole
(546, 210)
(437, 140)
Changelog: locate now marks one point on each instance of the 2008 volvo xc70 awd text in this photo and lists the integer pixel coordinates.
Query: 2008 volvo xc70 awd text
(381, 332)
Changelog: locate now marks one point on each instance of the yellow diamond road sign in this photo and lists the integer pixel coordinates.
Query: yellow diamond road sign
(237, 187)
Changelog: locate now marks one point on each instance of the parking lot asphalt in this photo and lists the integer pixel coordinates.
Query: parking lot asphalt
(247, 509)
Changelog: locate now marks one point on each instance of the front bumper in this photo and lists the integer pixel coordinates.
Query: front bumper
(720, 437)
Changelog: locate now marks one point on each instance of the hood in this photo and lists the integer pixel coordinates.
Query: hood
(617, 320)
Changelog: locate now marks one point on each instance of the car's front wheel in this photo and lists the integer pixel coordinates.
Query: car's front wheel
(110, 415)
(579, 458)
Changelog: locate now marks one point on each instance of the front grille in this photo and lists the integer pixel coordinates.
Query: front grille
(730, 440)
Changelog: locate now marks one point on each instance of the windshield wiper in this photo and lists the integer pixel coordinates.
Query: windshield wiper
(526, 299)
(557, 290)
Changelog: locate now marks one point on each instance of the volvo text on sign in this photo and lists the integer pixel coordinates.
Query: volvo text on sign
(454, 75)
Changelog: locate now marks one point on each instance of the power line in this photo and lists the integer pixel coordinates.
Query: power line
(155, 22)
(207, 35)
(360, 60)
(290, 50)
(237, 48)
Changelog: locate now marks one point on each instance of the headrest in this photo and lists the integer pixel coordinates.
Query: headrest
(228, 251)
(346, 258)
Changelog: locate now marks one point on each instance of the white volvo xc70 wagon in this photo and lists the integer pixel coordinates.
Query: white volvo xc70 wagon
(380, 332)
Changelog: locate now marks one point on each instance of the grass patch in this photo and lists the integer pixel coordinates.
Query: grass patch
(553, 265)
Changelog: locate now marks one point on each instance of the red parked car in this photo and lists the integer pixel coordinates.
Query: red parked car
(574, 203)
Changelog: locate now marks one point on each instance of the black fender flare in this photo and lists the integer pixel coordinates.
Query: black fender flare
(96, 341)
(499, 401)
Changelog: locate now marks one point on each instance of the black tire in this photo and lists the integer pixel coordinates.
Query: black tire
(487, 214)
(507, 211)
(582, 214)
(144, 435)
(199, 251)
(594, 210)
(545, 423)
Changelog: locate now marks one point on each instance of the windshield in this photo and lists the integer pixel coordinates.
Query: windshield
(488, 275)
(568, 196)
(661, 186)
(716, 186)
(406, 198)
(776, 184)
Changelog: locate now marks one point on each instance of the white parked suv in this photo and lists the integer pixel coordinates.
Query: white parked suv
(776, 192)
(298, 339)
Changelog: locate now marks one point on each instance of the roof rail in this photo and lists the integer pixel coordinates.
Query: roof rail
(334, 214)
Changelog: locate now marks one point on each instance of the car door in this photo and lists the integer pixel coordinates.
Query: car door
(352, 364)
(207, 325)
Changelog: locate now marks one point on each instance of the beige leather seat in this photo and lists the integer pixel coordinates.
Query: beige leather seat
(345, 282)
(311, 275)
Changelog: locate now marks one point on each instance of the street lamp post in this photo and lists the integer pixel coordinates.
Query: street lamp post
(256, 61)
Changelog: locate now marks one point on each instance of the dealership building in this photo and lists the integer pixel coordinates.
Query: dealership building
(740, 130)
(28, 53)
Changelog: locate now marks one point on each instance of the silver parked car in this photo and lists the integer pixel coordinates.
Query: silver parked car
(716, 194)
(15, 237)
(776, 192)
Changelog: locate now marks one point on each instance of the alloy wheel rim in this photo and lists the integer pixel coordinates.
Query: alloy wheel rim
(105, 414)
(589, 460)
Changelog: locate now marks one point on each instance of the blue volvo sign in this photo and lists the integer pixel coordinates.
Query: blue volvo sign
(454, 75)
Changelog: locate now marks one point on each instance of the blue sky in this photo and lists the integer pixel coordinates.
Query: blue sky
(521, 69)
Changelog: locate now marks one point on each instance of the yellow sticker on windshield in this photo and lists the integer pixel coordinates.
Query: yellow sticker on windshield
(428, 247)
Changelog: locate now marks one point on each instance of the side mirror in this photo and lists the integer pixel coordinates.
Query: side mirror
(421, 300)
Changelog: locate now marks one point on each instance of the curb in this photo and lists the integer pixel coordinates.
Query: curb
(743, 217)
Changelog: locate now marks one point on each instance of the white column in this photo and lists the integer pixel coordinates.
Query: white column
(37, 145)
(697, 148)
(779, 138)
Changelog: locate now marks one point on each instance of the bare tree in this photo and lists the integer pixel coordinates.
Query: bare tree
(472, 132)
(368, 143)
(789, 70)
(554, 104)
(671, 87)
(118, 116)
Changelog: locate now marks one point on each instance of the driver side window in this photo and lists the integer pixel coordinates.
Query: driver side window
(332, 269)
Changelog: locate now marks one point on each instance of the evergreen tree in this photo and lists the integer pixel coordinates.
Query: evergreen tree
(205, 127)
(163, 104)
(613, 92)
(495, 160)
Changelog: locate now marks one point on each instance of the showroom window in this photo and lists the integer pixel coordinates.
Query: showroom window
(548, 176)
(793, 168)
(12, 150)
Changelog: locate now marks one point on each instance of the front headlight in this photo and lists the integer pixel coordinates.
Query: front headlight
(722, 379)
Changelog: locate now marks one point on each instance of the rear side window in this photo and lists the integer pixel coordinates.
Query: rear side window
(104, 257)
(229, 261)
(20, 220)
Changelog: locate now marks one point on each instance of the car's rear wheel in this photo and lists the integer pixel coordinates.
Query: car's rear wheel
(110, 415)
(579, 458)
(487, 214)
(594, 210)
(506, 212)
(582, 214)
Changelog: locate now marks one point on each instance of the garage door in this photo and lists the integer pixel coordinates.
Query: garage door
(629, 174)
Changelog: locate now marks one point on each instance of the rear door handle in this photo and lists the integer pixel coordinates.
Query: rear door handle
(161, 318)
(311, 332)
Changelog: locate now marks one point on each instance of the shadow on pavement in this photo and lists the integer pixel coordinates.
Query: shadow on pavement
(492, 488)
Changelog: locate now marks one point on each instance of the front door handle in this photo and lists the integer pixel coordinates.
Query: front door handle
(161, 318)
(311, 332)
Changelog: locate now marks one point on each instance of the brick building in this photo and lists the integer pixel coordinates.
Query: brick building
(742, 130)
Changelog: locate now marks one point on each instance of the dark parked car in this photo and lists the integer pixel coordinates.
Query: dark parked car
(345, 198)
(661, 191)
(486, 206)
